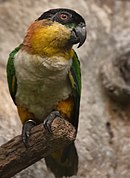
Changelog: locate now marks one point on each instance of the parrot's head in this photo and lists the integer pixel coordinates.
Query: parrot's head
(55, 31)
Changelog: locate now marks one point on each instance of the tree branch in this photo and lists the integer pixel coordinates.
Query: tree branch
(14, 156)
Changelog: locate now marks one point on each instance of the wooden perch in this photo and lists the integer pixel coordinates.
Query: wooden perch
(14, 156)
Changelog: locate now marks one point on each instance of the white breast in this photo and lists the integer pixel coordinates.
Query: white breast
(42, 82)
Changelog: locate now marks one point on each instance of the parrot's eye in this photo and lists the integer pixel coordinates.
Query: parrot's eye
(63, 16)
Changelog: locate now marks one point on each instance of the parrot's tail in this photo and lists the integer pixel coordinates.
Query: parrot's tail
(63, 162)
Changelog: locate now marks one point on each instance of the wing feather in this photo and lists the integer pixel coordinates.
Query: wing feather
(11, 78)
(75, 80)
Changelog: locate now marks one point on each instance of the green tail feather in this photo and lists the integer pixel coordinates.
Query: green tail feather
(66, 165)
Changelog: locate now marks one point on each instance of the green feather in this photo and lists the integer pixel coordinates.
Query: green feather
(11, 78)
(75, 80)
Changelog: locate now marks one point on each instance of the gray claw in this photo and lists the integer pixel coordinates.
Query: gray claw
(26, 131)
(49, 119)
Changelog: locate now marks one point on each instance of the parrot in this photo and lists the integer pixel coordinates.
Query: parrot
(44, 80)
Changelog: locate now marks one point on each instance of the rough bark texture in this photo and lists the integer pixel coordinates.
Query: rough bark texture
(14, 156)
(103, 140)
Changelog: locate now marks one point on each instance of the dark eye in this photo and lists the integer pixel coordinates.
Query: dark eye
(63, 16)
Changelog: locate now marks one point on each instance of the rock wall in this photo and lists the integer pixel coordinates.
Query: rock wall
(103, 140)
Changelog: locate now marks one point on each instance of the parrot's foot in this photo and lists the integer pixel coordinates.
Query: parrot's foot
(26, 131)
(47, 122)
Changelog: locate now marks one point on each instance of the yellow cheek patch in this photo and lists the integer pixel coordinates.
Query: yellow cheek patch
(65, 107)
(50, 39)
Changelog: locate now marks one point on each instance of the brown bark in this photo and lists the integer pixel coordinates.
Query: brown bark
(14, 156)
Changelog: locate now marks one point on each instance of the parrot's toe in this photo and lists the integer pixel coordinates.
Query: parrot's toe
(47, 122)
(26, 130)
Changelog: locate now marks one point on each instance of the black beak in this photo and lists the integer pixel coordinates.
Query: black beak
(78, 35)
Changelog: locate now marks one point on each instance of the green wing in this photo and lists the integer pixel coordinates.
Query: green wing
(75, 79)
(11, 78)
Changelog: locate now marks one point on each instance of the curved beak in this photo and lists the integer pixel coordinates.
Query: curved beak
(78, 35)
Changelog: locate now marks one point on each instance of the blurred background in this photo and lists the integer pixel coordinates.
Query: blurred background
(108, 25)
